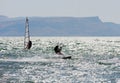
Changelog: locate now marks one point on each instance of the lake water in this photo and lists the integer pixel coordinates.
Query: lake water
(94, 60)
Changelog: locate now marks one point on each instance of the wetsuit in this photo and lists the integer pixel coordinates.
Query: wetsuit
(29, 45)
(57, 49)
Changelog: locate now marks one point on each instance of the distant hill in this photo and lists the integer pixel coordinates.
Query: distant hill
(58, 26)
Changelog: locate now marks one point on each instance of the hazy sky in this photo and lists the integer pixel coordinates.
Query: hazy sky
(107, 10)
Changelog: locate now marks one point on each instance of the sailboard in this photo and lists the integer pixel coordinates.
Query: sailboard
(66, 57)
(27, 41)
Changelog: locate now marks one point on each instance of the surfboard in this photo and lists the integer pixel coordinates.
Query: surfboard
(66, 57)
(61, 55)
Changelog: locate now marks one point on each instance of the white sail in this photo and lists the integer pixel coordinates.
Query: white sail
(27, 42)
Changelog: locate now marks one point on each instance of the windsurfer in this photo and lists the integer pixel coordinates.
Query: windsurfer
(29, 44)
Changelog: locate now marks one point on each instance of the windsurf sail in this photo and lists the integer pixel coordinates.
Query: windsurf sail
(27, 42)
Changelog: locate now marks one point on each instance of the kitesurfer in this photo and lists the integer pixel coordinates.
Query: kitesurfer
(57, 50)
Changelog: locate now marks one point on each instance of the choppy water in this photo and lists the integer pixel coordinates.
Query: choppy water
(94, 60)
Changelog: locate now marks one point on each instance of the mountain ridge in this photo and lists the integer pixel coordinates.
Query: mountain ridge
(58, 26)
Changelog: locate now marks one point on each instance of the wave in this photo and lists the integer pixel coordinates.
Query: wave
(33, 59)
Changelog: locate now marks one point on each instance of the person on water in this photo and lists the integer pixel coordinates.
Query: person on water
(57, 50)
(29, 45)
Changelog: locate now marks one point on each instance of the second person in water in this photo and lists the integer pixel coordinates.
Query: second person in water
(57, 50)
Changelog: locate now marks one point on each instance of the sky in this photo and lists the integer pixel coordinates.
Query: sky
(106, 10)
